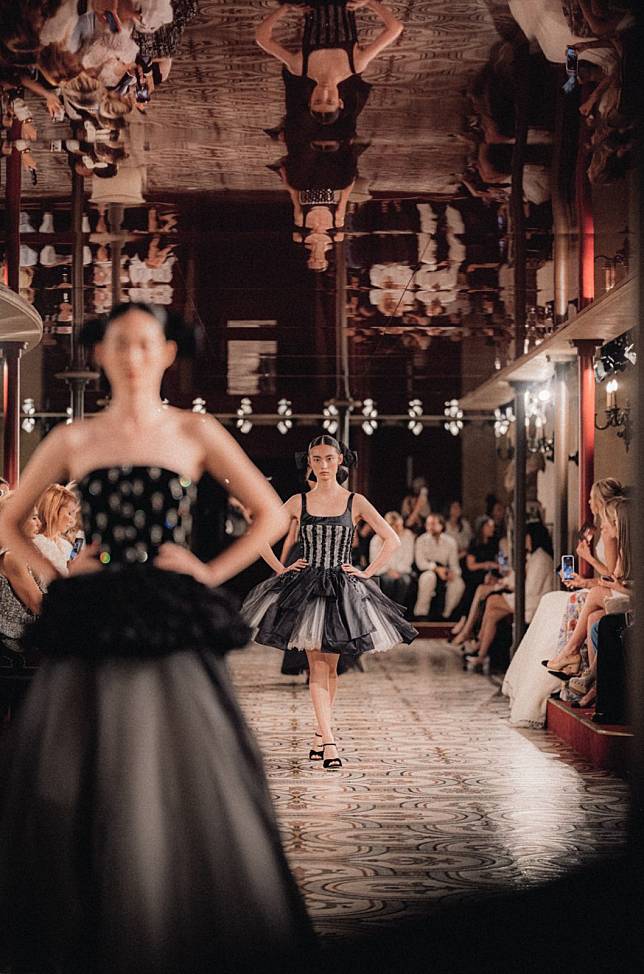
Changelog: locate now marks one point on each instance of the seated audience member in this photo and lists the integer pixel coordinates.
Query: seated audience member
(436, 557)
(458, 527)
(415, 508)
(611, 595)
(539, 579)
(480, 560)
(527, 683)
(395, 579)
(20, 600)
(20, 593)
(57, 510)
(567, 662)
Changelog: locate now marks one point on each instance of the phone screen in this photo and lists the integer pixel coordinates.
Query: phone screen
(567, 567)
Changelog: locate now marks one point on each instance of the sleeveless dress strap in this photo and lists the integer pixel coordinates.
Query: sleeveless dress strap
(350, 49)
(350, 505)
(303, 509)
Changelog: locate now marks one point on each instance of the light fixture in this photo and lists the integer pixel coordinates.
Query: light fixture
(285, 423)
(415, 411)
(370, 413)
(615, 356)
(454, 416)
(331, 413)
(244, 423)
(502, 420)
(199, 405)
(29, 410)
(617, 418)
(70, 416)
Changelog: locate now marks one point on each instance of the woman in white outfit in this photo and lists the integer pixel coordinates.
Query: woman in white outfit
(527, 683)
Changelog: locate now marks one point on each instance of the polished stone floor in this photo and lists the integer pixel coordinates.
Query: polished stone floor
(439, 798)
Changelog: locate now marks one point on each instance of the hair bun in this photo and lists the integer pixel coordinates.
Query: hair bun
(350, 456)
(301, 460)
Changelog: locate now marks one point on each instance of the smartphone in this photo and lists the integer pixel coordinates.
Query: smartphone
(110, 20)
(571, 61)
(567, 567)
(76, 547)
(142, 93)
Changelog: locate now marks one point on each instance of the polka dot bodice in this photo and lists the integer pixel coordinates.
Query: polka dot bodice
(131, 511)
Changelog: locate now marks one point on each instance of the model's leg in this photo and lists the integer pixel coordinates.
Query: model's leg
(319, 685)
(496, 608)
(570, 652)
(426, 590)
(453, 595)
(466, 631)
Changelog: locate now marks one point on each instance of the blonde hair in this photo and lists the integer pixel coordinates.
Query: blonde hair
(393, 517)
(50, 505)
(605, 490)
(58, 64)
(618, 512)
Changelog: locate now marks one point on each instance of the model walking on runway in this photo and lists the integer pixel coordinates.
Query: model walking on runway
(137, 834)
(321, 604)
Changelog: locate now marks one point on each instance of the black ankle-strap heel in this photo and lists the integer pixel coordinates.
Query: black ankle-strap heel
(316, 755)
(330, 764)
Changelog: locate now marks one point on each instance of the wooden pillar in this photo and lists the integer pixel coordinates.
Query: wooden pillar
(520, 459)
(585, 362)
(562, 451)
(586, 225)
(516, 198)
(11, 352)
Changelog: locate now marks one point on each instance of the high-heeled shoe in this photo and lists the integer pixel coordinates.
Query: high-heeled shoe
(563, 663)
(315, 755)
(331, 764)
(565, 673)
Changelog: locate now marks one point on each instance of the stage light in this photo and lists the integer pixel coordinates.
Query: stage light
(199, 405)
(331, 422)
(370, 413)
(544, 395)
(284, 410)
(244, 423)
(414, 411)
(29, 409)
(454, 416)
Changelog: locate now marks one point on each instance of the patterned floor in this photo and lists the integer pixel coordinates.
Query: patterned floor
(204, 129)
(439, 797)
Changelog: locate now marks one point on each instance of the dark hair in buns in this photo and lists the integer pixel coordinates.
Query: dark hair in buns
(349, 457)
(174, 328)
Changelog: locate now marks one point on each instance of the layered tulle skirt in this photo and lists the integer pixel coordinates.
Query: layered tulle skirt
(137, 835)
(325, 609)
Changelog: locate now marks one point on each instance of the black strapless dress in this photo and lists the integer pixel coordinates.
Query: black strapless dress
(321, 607)
(137, 832)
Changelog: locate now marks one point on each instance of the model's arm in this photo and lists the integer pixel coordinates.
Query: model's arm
(22, 582)
(393, 30)
(48, 465)
(289, 540)
(264, 37)
(232, 468)
(365, 511)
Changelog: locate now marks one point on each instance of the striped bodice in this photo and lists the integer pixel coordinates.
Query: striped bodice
(326, 541)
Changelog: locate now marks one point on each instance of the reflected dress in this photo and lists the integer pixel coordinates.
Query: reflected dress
(321, 607)
(137, 833)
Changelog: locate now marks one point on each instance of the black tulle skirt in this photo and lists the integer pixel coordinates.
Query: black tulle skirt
(137, 835)
(325, 609)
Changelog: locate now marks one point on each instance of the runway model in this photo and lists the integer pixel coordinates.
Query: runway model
(330, 52)
(137, 834)
(321, 604)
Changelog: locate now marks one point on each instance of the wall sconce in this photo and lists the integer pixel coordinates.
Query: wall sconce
(617, 418)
